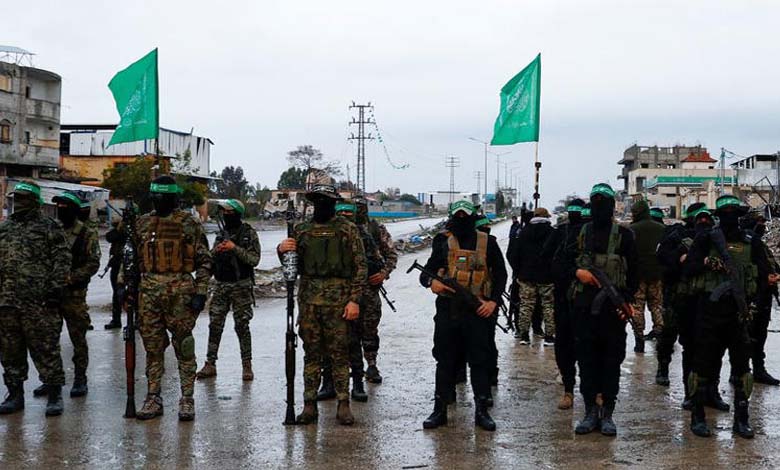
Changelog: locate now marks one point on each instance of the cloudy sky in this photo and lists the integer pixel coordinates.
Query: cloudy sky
(261, 77)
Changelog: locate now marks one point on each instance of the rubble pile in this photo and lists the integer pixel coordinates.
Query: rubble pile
(772, 237)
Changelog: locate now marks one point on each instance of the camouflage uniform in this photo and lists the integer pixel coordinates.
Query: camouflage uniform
(85, 262)
(34, 264)
(322, 299)
(528, 292)
(371, 303)
(165, 292)
(233, 271)
(652, 294)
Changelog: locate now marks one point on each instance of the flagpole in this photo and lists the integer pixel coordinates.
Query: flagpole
(537, 165)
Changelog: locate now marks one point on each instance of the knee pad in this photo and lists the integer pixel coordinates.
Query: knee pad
(746, 380)
(187, 348)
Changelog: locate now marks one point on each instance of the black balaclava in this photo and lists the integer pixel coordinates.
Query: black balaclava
(164, 203)
(601, 210)
(462, 226)
(361, 216)
(703, 224)
(324, 209)
(575, 217)
(24, 203)
(729, 221)
(67, 214)
(232, 219)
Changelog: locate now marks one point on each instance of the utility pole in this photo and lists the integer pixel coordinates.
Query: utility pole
(452, 162)
(361, 137)
(485, 175)
(478, 176)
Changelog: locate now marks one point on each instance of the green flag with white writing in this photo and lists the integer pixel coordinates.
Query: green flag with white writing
(518, 119)
(135, 91)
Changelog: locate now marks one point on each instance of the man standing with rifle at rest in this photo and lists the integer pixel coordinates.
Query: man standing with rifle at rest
(235, 254)
(472, 267)
(727, 266)
(332, 266)
(562, 239)
(116, 238)
(171, 246)
(34, 265)
(605, 262)
(85, 262)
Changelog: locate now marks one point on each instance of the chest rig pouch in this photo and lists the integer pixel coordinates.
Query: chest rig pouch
(469, 267)
(326, 252)
(165, 248)
(613, 264)
(741, 254)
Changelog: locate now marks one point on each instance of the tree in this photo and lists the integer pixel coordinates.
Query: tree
(292, 178)
(411, 199)
(133, 180)
(500, 204)
(233, 184)
(308, 158)
(262, 195)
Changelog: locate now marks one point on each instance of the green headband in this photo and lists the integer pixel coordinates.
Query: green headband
(574, 209)
(481, 222)
(724, 201)
(585, 212)
(345, 207)
(702, 211)
(70, 197)
(27, 187)
(235, 205)
(656, 213)
(603, 189)
(164, 188)
(465, 206)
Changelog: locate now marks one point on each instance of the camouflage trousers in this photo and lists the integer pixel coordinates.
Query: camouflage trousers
(324, 334)
(363, 335)
(650, 293)
(164, 306)
(529, 292)
(237, 295)
(34, 328)
(74, 311)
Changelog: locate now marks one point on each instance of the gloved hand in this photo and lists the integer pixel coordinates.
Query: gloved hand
(714, 263)
(198, 303)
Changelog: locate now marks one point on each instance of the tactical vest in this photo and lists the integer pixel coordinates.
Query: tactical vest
(326, 251)
(469, 267)
(164, 248)
(741, 254)
(227, 266)
(613, 264)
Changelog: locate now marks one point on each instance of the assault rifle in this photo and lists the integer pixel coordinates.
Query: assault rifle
(223, 236)
(509, 313)
(390, 303)
(131, 277)
(290, 272)
(461, 295)
(609, 291)
(735, 284)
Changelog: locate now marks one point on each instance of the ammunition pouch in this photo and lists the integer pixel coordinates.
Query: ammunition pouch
(165, 249)
(326, 251)
(469, 267)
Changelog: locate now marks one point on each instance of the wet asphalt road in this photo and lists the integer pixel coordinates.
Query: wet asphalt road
(238, 425)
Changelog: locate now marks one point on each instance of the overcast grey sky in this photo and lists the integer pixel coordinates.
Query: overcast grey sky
(261, 77)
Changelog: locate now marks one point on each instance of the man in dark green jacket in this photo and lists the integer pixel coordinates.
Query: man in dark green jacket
(648, 234)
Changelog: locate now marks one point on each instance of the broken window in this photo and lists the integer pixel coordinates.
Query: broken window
(5, 132)
(644, 165)
(27, 137)
(5, 83)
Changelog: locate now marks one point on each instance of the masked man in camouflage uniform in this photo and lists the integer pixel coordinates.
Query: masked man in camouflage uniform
(171, 246)
(85, 262)
(34, 263)
(332, 266)
(235, 255)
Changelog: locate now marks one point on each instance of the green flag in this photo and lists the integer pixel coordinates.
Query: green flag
(518, 119)
(135, 93)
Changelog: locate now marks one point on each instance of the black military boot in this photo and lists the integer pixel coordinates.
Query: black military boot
(608, 427)
(358, 391)
(14, 401)
(79, 388)
(327, 390)
(481, 416)
(41, 391)
(760, 375)
(439, 415)
(662, 376)
(54, 406)
(741, 425)
(714, 400)
(590, 421)
(373, 375)
(489, 399)
(698, 418)
(116, 322)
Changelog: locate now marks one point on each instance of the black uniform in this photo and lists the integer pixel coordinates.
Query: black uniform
(762, 314)
(456, 328)
(116, 238)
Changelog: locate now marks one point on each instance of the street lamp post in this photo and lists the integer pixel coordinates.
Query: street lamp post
(486, 162)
